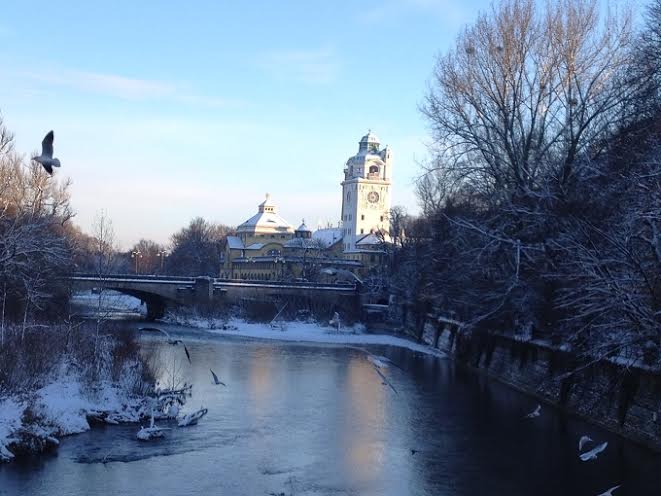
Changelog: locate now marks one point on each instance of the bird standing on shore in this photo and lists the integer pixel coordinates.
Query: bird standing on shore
(46, 158)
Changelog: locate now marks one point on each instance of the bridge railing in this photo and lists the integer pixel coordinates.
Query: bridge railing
(216, 281)
(142, 277)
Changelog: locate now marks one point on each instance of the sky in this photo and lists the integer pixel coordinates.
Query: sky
(164, 111)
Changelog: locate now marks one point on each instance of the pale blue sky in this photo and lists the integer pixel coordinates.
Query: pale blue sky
(167, 110)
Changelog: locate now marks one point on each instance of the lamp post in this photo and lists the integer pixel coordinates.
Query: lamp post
(136, 254)
(280, 260)
(162, 254)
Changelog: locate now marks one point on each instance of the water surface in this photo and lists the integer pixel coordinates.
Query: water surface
(317, 420)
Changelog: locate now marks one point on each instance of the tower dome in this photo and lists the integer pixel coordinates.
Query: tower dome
(369, 142)
(303, 231)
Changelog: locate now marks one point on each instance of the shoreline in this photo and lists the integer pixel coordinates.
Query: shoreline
(307, 333)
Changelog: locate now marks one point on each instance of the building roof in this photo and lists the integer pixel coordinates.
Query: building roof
(303, 227)
(328, 236)
(255, 246)
(303, 243)
(267, 202)
(235, 243)
(265, 220)
(369, 240)
(370, 137)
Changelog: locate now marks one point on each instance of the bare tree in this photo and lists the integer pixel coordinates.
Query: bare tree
(35, 253)
(646, 74)
(151, 256)
(528, 89)
(195, 249)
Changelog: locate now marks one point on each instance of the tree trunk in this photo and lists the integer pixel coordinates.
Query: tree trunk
(2, 321)
(25, 319)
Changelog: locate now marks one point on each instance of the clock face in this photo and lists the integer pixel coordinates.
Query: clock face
(373, 197)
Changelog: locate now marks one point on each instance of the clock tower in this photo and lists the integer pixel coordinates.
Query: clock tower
(366, 191)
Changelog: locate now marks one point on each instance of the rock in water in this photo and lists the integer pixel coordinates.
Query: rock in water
(192, 418)
(149, 433)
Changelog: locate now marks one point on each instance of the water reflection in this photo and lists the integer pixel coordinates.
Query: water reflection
(316, 420)
(364, 428)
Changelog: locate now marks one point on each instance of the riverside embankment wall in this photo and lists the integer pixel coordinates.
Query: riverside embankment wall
(621, 397)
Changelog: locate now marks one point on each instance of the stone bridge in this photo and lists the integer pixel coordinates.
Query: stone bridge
(159, 292)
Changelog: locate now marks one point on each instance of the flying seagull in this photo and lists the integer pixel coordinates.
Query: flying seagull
(583, 441)
(46, 158)
(610, 491)
(170, 340)
(535, 412)
(592, 454)
(384, 380)
(165, 333)
(216, 381)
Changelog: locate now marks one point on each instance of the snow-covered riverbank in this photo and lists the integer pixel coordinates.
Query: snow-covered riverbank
(34, 422)
(55, 379)
(307, 332)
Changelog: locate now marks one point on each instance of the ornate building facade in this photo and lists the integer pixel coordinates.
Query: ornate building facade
(267, 247)
(366, 192)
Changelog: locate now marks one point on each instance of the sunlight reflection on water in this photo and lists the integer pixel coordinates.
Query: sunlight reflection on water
(317, 420)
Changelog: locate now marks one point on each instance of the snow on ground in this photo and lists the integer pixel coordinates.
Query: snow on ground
(10, 420)
(310, 332)
(111, 301)
(64, 405)
(62, 408)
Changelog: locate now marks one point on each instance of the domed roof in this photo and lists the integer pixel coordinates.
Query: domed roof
(370, 137)
(267, 202)
(303, 227)
(266, 220)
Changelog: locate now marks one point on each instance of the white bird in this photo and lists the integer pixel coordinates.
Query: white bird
(335, 321)
(610, 491)
(46, 158)
(535, 412)
(592, 454)
(583, 441)
(216, 381)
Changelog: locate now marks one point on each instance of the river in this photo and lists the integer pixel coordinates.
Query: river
(317, 420)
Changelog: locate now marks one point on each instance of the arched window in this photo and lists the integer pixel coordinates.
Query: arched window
(374, 169)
